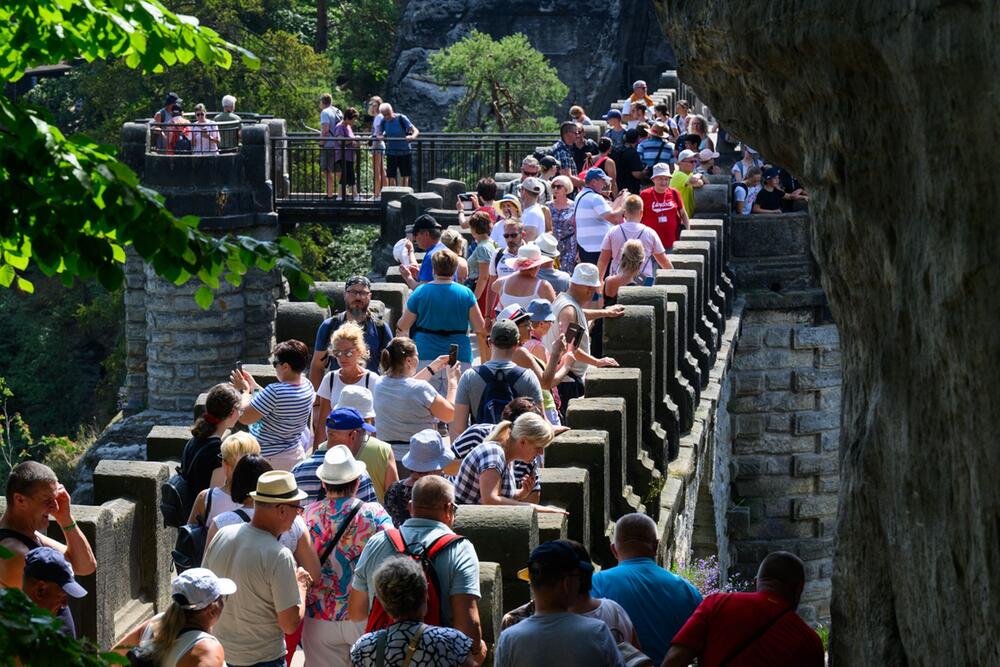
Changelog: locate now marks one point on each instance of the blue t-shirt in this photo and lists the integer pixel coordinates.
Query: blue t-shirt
(376, 342)
(657, 600)
(395, 130)
(426, 268)
(441, 307)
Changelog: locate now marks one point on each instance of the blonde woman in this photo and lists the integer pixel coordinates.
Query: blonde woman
(182, 635)
(348, 347)
(218, 498)
(455, 242)
(487, 473)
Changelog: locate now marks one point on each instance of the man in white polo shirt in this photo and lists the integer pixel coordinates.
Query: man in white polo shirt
(594, 215)
(531, 211)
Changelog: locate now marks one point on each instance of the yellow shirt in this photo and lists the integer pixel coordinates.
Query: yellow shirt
(375, 455)
(679, 181)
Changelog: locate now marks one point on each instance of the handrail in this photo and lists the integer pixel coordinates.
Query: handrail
(208, 138)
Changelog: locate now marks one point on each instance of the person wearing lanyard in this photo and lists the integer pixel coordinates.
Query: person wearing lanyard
(662, 207)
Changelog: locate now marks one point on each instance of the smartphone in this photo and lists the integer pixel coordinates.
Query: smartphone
(574, 333)
(466, 199)
(239, 367)
(453, 354)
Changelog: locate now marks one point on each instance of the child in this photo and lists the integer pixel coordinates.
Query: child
(615, 131)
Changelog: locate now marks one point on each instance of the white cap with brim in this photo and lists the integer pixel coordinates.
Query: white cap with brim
(585, 274)
(196, 588)
(661, 169)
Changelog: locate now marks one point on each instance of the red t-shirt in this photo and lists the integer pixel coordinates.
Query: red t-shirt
(724, 621)
(662, 213)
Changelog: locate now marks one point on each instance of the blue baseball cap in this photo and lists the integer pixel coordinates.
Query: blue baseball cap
(347, 419)
(614, 113)
(596, 172)
(771, 173)
(47, 564)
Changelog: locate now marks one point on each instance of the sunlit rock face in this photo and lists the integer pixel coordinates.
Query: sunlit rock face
(599, 47)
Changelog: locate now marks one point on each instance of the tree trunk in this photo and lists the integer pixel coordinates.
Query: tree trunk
(322, 29)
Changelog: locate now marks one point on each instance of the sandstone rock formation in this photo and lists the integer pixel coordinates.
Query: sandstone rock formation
(877, 106)
(598, 46)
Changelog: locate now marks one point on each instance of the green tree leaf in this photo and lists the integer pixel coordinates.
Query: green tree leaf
(204, 297)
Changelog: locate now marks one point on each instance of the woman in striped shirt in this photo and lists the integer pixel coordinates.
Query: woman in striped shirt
(279, 413)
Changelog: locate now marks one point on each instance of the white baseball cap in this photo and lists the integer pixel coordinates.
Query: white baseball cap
(707, 154)
(687, 154)
(198, 587)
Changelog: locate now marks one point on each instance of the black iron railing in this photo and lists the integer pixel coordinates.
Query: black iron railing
(302, 163)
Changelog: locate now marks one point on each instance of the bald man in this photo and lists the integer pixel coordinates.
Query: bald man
(432, 513)
(759, 628)
(657, 600)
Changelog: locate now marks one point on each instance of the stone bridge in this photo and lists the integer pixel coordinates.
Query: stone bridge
(721, 424)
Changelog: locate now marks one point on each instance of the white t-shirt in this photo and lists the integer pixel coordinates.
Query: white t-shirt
(332, 385)
(745, 197)
(616, 618)
(591, 227)
(534, 218)
(289, 538)
(499, 268)
(615, 240)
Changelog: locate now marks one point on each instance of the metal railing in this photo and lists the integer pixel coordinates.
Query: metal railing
(193, 138)
(306, 159)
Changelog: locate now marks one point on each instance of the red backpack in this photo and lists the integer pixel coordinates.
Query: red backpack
(378, 618)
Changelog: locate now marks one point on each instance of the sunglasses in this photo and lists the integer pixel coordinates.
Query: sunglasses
(558, 186)
(199, 113)
(343, 353)
(511, 236)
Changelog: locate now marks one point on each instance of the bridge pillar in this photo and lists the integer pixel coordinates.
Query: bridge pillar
(174, 348)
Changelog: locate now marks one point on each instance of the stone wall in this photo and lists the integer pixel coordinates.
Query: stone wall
(786, 435)
(598, 48)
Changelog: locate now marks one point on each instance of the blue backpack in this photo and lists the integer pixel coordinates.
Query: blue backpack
(498, 392)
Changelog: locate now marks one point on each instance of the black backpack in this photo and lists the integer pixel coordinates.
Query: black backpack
(190, 545)
(183, 143)
(177, 497)
(498, 392)
(379, 319)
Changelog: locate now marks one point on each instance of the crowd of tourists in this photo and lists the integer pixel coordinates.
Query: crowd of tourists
(172, 132)
(316, 507)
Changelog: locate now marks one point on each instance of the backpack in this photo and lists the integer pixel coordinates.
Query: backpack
(190, 545)
(378, 618)
(183, 143)
(498, 392)
(176, 500)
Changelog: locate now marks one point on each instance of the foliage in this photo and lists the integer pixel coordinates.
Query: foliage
(509, 86)
(704, 574)
(362, 33)
(67, 205)
(17, 444)
(336, 253)
(824, 636)
(32, 636)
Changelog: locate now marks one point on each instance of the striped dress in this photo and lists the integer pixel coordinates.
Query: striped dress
(286, 409)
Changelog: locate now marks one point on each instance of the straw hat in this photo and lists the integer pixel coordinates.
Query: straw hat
(277, 486)
(339, 466)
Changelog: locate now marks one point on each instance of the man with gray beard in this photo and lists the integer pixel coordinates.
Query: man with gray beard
(357, 297)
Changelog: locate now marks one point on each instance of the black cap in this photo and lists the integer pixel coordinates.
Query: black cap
(554, 558)
(547, 162)
(173, 98)
(425, 222)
